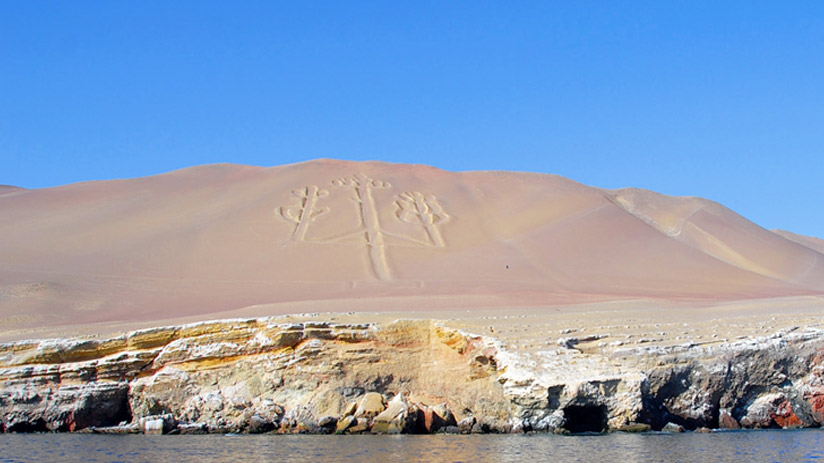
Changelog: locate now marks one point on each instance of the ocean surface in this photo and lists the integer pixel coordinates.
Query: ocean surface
(739, 446)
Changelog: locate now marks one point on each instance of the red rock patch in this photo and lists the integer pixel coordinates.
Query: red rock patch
(786, 417)
(817, 404)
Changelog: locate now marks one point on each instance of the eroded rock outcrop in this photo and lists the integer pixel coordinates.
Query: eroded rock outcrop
(408, 376)
(774, 381)
(28, 407)
(248, 376)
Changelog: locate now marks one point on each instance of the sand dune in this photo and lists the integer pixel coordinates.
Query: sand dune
(816, 244)
(216, 238)
(9, 189)
(717, 231)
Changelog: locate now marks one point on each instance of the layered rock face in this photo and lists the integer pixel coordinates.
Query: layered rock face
(245, 375)
(769, 382)
(407, 376)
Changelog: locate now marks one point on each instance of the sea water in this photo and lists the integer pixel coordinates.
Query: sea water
(738, 446)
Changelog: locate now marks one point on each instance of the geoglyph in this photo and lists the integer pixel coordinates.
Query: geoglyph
(412, 207)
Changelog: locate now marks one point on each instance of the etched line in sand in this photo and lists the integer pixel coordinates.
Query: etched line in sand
(362, 186)
(412, 207)
(305, 211)
(416, 207)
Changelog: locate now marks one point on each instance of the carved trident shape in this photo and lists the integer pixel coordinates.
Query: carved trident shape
(362, 186)
(305, 211)
(416, 207)
(412, 207)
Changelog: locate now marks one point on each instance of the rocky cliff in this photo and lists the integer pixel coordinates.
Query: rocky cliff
(410, 376)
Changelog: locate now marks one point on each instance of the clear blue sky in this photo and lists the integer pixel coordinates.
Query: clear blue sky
(717, 99)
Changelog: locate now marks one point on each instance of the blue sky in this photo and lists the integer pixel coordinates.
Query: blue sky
(723, 100)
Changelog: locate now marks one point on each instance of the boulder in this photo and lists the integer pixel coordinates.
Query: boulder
(466, 424)
(446, 415)
(399, 417)
(437, 417)
(635, 427)
(218, 426)
(300, 420)
(726, 420)
(350, 409)
(517, 427)
(328, 424)
(370, 405)
(193, 428)
(431, 422)
(672, 427)
(546, 423)
(154, 426)
(345, 423)
(258, 425)
(478, 428)
(130, 428)
(496, 425)
(157, 424)
(359, 426)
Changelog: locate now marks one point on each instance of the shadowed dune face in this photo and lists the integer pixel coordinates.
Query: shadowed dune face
(208, 239)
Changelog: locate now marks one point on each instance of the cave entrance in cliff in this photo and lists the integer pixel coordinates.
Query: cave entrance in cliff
(26, 427)
(585, 418)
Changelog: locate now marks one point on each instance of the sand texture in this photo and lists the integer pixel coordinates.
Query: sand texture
(337, 236)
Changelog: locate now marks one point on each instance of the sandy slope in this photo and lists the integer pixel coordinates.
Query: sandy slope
(4, 189)
(816, 244)
(208, 240)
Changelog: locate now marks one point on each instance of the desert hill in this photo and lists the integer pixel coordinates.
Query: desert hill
(816, 244)
(9, 189)
(336, 235)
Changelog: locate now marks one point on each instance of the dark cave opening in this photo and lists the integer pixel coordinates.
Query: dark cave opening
(28, 427)
(585, 418)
